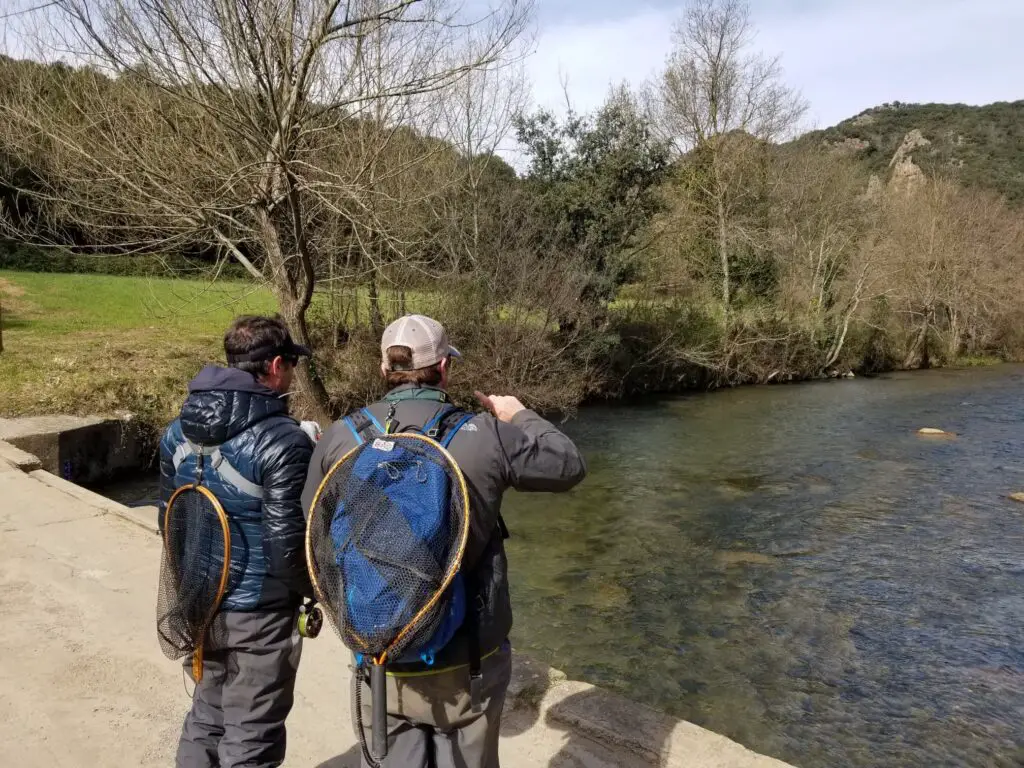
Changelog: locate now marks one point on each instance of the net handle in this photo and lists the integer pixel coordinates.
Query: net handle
(197, 654)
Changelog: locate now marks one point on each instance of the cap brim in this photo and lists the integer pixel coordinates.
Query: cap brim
(453, 352)
(300, 350)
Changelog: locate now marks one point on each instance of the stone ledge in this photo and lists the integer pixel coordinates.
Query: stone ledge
(616, 721)
(17, 458)
(144, 517)
(78, 448)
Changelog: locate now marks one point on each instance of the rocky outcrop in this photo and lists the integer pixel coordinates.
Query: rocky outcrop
(875, 187)
(905, 174)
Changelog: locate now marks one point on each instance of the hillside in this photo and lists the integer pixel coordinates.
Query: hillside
(978, 146)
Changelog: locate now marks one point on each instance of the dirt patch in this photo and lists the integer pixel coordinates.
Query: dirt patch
(11, 298)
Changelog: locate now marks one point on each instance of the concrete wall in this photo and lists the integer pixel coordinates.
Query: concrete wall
(79, 449)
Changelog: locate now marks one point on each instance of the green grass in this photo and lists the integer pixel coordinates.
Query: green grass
(977, 361)
(62, 303)
(101, 344)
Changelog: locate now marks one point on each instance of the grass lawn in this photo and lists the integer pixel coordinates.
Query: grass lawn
(98, 344)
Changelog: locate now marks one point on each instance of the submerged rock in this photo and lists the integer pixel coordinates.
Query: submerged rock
(735, 557)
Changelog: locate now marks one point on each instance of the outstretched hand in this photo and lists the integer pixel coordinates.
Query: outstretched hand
(502, 407)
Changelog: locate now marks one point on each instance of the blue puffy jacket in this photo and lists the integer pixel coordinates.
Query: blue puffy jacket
(257, 438)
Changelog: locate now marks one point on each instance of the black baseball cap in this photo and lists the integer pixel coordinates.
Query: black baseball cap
(286, 349)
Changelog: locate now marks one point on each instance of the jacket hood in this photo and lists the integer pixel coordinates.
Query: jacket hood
(225, 401)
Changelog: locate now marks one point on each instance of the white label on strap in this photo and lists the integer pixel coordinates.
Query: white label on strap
(383, 445)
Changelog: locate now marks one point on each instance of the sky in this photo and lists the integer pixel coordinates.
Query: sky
(842, 56)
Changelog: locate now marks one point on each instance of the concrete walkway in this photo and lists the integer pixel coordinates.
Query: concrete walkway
(83, 682)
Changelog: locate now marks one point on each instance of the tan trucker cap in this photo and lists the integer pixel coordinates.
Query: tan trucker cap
(426, 337)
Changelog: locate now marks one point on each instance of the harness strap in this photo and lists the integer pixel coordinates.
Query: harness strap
(234, 477)
(227, 472)
(449, 432)
(183, 450)
(434, 426)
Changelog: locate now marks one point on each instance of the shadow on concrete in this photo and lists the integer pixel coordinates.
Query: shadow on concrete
(349, 759)
(596, 728)
(603, 730)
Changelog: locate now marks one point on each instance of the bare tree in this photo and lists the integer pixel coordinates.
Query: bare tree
(228, 123)
(720, 103)
(956, 256)
(478, 118)
(824, 238)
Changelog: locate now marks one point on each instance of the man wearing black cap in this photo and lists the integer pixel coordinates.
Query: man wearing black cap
(255, 463)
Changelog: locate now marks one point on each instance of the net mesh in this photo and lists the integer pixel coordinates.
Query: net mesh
(385, 539)
(193, 580)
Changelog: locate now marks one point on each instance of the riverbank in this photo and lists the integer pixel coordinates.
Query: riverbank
(85, 344)
(77, 574)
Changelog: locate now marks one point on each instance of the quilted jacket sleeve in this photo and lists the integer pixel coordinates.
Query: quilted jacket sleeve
(167, 446)
(285, 456)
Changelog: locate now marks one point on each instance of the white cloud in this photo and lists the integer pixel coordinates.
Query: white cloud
(592, 56)
(843, 56)
(851, 56)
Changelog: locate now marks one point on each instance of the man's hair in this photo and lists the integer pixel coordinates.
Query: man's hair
(251, 332)
(400, 371)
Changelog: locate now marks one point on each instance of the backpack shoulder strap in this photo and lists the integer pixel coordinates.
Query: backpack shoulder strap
(434, 426)
(362, 422)
(452, 423)
(232, 476)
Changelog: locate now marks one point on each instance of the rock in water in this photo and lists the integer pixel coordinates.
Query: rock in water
(1018, 497)
(931, 431)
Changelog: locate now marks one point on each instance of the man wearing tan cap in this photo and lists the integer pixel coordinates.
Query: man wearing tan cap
(448, 715)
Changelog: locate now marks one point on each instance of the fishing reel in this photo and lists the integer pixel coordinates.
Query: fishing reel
(311, 620)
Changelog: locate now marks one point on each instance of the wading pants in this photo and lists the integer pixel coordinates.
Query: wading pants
(239, 708)
(431, 723)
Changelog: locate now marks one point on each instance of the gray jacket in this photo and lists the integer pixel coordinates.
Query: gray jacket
(529, 454)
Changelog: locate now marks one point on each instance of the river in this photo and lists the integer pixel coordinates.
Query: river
(794, 567)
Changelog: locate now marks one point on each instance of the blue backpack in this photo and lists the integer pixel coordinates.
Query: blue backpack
(421, 494)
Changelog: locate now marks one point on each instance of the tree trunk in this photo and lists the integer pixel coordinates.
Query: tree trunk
(310, 384)
(953, 345)
(293, 299)
(920, 343)
(723, 239)
(376, 320)
(723, 254)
